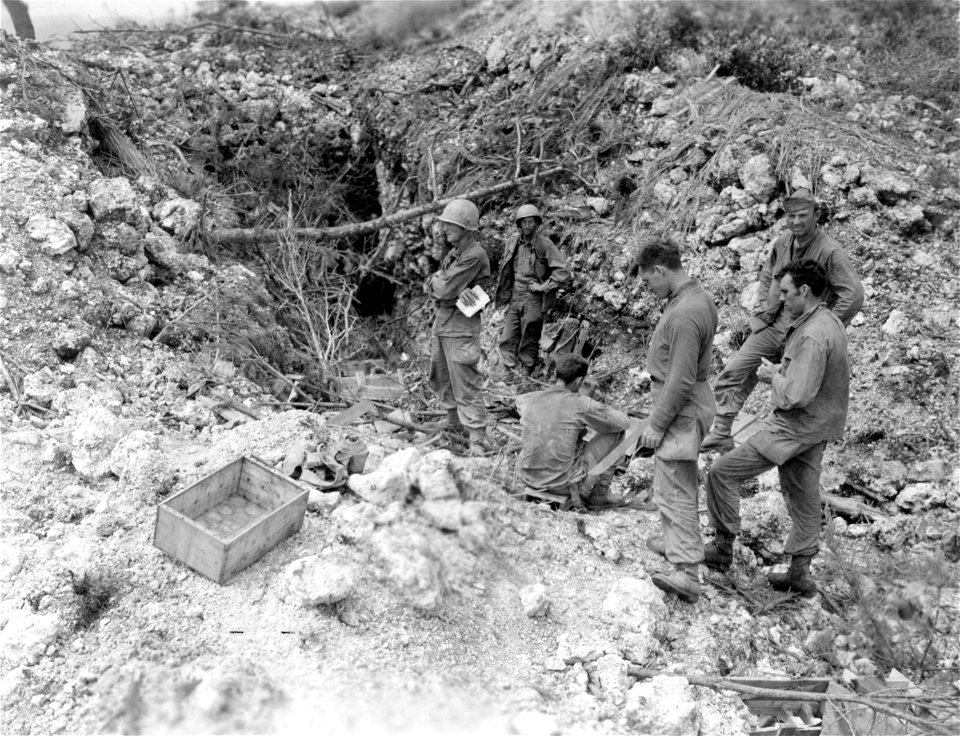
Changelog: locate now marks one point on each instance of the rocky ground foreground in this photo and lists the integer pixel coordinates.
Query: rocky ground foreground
(144, 347)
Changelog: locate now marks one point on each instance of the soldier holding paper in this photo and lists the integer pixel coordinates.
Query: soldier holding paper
(455, 350)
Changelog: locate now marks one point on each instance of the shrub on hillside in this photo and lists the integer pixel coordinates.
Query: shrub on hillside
(911, 47)
(658, 32)
(761, 62)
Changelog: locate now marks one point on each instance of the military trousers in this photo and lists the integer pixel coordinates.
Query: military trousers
(675, 490)
(739, 376)
(799, 483)
(455, 379)
(520, 337)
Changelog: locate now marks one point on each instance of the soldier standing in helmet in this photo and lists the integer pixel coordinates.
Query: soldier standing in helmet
(532, 269)
(455, 349)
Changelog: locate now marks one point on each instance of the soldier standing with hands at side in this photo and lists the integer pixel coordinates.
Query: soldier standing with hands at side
(532, 269)
(455, 349)
(678, 361)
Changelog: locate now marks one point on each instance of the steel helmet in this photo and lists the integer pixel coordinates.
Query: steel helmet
(461, 212)
(528, 210)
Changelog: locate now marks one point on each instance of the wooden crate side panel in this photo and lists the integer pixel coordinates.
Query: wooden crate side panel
(207, 492)
(265, 487)
(267, 534)
(180, 537)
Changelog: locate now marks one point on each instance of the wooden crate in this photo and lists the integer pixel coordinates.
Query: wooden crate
(230, 518)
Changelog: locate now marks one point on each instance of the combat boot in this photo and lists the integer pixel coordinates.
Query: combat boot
(719, 439)
(796, 579)
(718, 554)
(683, 583)
(453, 424)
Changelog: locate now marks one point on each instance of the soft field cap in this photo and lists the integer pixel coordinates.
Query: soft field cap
(800, 199)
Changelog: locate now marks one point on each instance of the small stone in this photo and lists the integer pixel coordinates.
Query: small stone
(534, 600)
(97, 432)
(444, 514)
(435, 476)
(896, 323)
(12, 558)
(69, 343)
(313, 581)
(40, 387)
(9, 260)
(27, 636)
(107, 526)
(554, 664)
(177, 216)
(600, 205)
(391, 481)
(320, 501)
(112, 199)
(611, 675)
(758, 178)
(534, 723)
(55, 237)
(929, 471)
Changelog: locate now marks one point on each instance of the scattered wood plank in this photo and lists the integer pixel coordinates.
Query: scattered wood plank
(353, 414)
(230, 409)
(851, 507)
(618, 452)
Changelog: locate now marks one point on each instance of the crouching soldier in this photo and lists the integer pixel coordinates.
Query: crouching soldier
(553, 421)
(532, 269)
(455, 350)
(810, 389)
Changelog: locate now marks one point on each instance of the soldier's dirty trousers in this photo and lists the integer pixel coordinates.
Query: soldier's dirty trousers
(522, 325)
(455, 379)
(675, 491)
(799, 483)
(675, 483)
(739, 376)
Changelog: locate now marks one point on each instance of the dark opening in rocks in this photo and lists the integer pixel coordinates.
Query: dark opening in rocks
(374, 296)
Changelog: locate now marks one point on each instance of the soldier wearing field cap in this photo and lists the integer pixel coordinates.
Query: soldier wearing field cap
(769, 324)
(532, 269)
(455, 350)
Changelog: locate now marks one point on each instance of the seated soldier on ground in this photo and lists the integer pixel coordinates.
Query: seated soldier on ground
(554, 457)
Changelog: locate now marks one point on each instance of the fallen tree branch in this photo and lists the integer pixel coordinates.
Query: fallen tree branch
(714, 683)
(247, 236)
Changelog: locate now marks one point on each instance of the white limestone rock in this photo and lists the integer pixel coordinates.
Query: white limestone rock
(313, 581)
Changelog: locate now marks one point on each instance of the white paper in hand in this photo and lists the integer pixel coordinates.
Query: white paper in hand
(482, 301)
